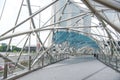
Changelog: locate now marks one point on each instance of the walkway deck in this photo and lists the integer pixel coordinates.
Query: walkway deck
(77, 68)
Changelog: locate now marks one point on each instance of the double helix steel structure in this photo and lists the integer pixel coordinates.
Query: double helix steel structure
(40, 35)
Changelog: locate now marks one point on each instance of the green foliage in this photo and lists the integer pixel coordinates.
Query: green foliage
(16, 49)
(3, 48)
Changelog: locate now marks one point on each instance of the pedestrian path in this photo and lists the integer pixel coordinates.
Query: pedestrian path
(76, 68)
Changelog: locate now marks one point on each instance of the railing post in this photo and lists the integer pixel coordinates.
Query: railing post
(105, 59)
(29, 62)
(57, 57)
(116, 63)
(60, 56)
(42, 60)
(109, 59)
(5, 69)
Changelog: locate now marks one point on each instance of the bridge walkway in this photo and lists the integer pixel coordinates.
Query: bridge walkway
(75, 68)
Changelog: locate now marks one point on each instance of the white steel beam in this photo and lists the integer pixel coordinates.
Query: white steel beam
(110, 3)
(89, 5)
(34, 14)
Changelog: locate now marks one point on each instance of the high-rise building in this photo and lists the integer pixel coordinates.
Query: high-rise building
(65, 9)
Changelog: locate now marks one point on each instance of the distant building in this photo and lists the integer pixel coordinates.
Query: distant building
(71, 9)
(32, 48)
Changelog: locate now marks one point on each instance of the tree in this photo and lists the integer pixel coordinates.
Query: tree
(15, 49)
(3, 48)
